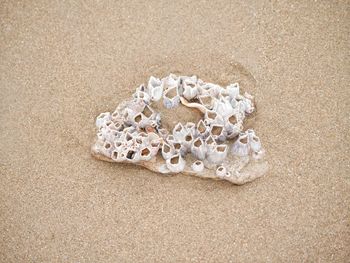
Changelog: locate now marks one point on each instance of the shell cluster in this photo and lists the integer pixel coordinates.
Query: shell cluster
(215, 147)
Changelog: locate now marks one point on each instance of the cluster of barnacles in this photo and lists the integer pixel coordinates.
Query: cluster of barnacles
(215, 147)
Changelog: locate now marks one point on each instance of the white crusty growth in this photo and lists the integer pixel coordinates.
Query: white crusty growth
(215, 147)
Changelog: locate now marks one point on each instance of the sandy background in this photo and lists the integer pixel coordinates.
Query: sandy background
(64, 62)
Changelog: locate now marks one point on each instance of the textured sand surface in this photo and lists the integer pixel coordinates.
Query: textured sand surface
(61, 62)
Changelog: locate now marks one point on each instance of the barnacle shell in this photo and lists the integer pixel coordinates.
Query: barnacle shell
(171, 98)
(218, 154)
(175, 163)
(190, 88)
(199, 149)
(102, 119)
(241, 146)
(167, 151)
(218, 132)
(133, 133)
(197, 166)
(232, 90)
(155, 88)
(221, 171)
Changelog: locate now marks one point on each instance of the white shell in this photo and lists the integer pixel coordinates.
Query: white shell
(102, 119)
(140, 120)
(241, 146)
(154, 148)
(254, 141)
(233, 125)
(223, 107)
(246, 106)
(221, 171)
(197, 166)
(176, 163)
(190, 127)
(170, 81)
(167, 151)
(233, 90)
(218, 154)
(212, 117)
(190, 89)
(210, 89)
(198, 149)
(201, 129)
(155, 88)
(258, 155)
(210, 144)
(187, 141)
(218, 132)
(143, 96)
(179, 132)
(171, 98)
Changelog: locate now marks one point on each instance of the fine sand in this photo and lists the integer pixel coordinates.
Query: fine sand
(64, 62)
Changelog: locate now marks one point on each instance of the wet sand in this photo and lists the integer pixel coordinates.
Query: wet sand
(62, 63)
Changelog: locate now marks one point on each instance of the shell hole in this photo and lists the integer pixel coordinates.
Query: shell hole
(216, 130)
(210, 140)
(115, 155)
(117, 144)
(232, 119)
(147, 111)
(188, 138)
(221, 148)
(174, 160)
(197, 142)
(138, 118)
(212, 115)
(177, 146)
(255, 138)
(220, 168)
(155, 144)
(201, 127)
(145, 152)
(206, 100)
(178, 128)
(131, 154)
(166, 148)
(244, 140)
(142, 134)
(128, 137)
(191, 85)
(171, 93)
(107, 145)
(198, 162)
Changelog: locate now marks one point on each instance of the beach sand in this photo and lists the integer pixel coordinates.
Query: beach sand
(64, 62)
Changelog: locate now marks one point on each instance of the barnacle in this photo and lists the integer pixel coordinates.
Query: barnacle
(215, 147)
